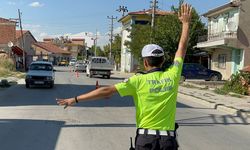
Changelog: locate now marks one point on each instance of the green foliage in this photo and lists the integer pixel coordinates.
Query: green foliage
(166, 34)
(116, 49)
(238, 83)
(7, 64)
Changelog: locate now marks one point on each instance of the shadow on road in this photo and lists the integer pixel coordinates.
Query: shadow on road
(101, 125)
(20, 96)
(212, 119)
(29, 134)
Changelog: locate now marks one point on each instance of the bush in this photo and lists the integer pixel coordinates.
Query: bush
(238, 83)
(7, 64)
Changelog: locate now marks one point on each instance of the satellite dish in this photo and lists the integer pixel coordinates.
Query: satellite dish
(10, 44)
(231, 26)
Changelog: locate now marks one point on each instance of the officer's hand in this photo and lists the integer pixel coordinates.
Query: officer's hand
(185, 14)
(66, 102)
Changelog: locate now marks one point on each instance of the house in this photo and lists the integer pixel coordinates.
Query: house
(128, 62)
(50, 52)
(28, 40)
(75, 46)
(8, 42)
(228, 37)
(8, 34)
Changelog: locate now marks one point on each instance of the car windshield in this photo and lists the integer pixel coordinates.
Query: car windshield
(44, 67)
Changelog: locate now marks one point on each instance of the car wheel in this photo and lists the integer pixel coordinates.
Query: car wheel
(27, 85)
(182, 79)
(214, 78)
(91, 75)
(51, 85)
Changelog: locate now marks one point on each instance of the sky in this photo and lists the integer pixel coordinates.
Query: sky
(83, 18)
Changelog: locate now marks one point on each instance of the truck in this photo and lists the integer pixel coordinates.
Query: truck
(99, 66)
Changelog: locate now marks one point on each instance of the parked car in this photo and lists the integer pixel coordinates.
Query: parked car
(72, 62)
(80, 66)
(40, 73)
(63, 63)
(197, 71)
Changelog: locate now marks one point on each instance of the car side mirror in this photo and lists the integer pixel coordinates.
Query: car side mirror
(54, 70)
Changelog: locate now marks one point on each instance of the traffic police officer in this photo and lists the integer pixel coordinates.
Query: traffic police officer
(154, 93)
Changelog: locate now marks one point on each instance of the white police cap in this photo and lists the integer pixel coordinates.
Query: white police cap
(149, 51)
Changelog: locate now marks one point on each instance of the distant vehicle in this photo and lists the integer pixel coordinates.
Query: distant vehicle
(197, 71)
(72, 62)
(99, 66)
(63, 63)
(40, 73)
(80, 66)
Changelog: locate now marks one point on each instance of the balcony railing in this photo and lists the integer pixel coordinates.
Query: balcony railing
(217, 36)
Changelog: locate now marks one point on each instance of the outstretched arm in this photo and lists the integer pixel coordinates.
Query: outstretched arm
(185, 15)
(102, 92)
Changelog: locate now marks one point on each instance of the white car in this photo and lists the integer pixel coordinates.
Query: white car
(40, 73)
(72, 62)
(80, 66)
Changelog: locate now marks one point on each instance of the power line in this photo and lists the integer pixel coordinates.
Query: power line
(112, 18)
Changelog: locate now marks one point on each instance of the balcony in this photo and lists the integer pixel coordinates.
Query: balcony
(215, 39)
(217, 36)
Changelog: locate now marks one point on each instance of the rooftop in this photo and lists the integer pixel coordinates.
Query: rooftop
(51, 48)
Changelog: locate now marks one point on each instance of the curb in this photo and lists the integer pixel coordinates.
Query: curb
(213, 105)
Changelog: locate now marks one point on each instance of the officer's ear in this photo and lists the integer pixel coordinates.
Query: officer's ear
(145, 62)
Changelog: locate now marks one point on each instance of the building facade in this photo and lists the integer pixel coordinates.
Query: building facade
(49, 52)
(228, 37)
(128, 61)
(28, 40)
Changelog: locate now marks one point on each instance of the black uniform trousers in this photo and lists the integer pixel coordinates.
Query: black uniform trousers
(155, 142)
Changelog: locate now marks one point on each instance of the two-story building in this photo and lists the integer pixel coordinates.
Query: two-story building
(128, 62)
(228, 37)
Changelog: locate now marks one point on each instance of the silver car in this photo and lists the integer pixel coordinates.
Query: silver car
(80, 66)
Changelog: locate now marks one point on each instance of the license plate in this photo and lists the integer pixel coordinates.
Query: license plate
(39, 82)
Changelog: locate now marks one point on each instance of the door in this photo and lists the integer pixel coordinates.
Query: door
(237, 55)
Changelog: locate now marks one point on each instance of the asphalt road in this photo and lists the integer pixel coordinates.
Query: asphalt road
(31, 120)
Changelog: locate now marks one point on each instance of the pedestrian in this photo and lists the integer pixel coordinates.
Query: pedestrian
(154, 93)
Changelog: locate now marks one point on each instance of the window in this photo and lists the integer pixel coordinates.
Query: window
(222, 61)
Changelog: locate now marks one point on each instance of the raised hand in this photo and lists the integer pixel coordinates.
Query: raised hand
(185, 14)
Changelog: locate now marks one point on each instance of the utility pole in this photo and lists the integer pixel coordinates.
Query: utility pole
(95, 41)
(112, 18)
(154, 6)
(22, 40)
(122, 9)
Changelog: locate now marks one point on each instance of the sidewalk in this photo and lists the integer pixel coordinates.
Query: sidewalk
(229, 104)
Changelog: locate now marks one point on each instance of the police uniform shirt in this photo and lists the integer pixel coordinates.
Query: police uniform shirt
(154, 96)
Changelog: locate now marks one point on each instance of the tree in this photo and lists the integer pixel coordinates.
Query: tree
(139, 37)
(116, 49)
(166, 34)
(99, 51)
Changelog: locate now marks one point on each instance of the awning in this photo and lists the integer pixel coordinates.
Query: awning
(17, 50)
